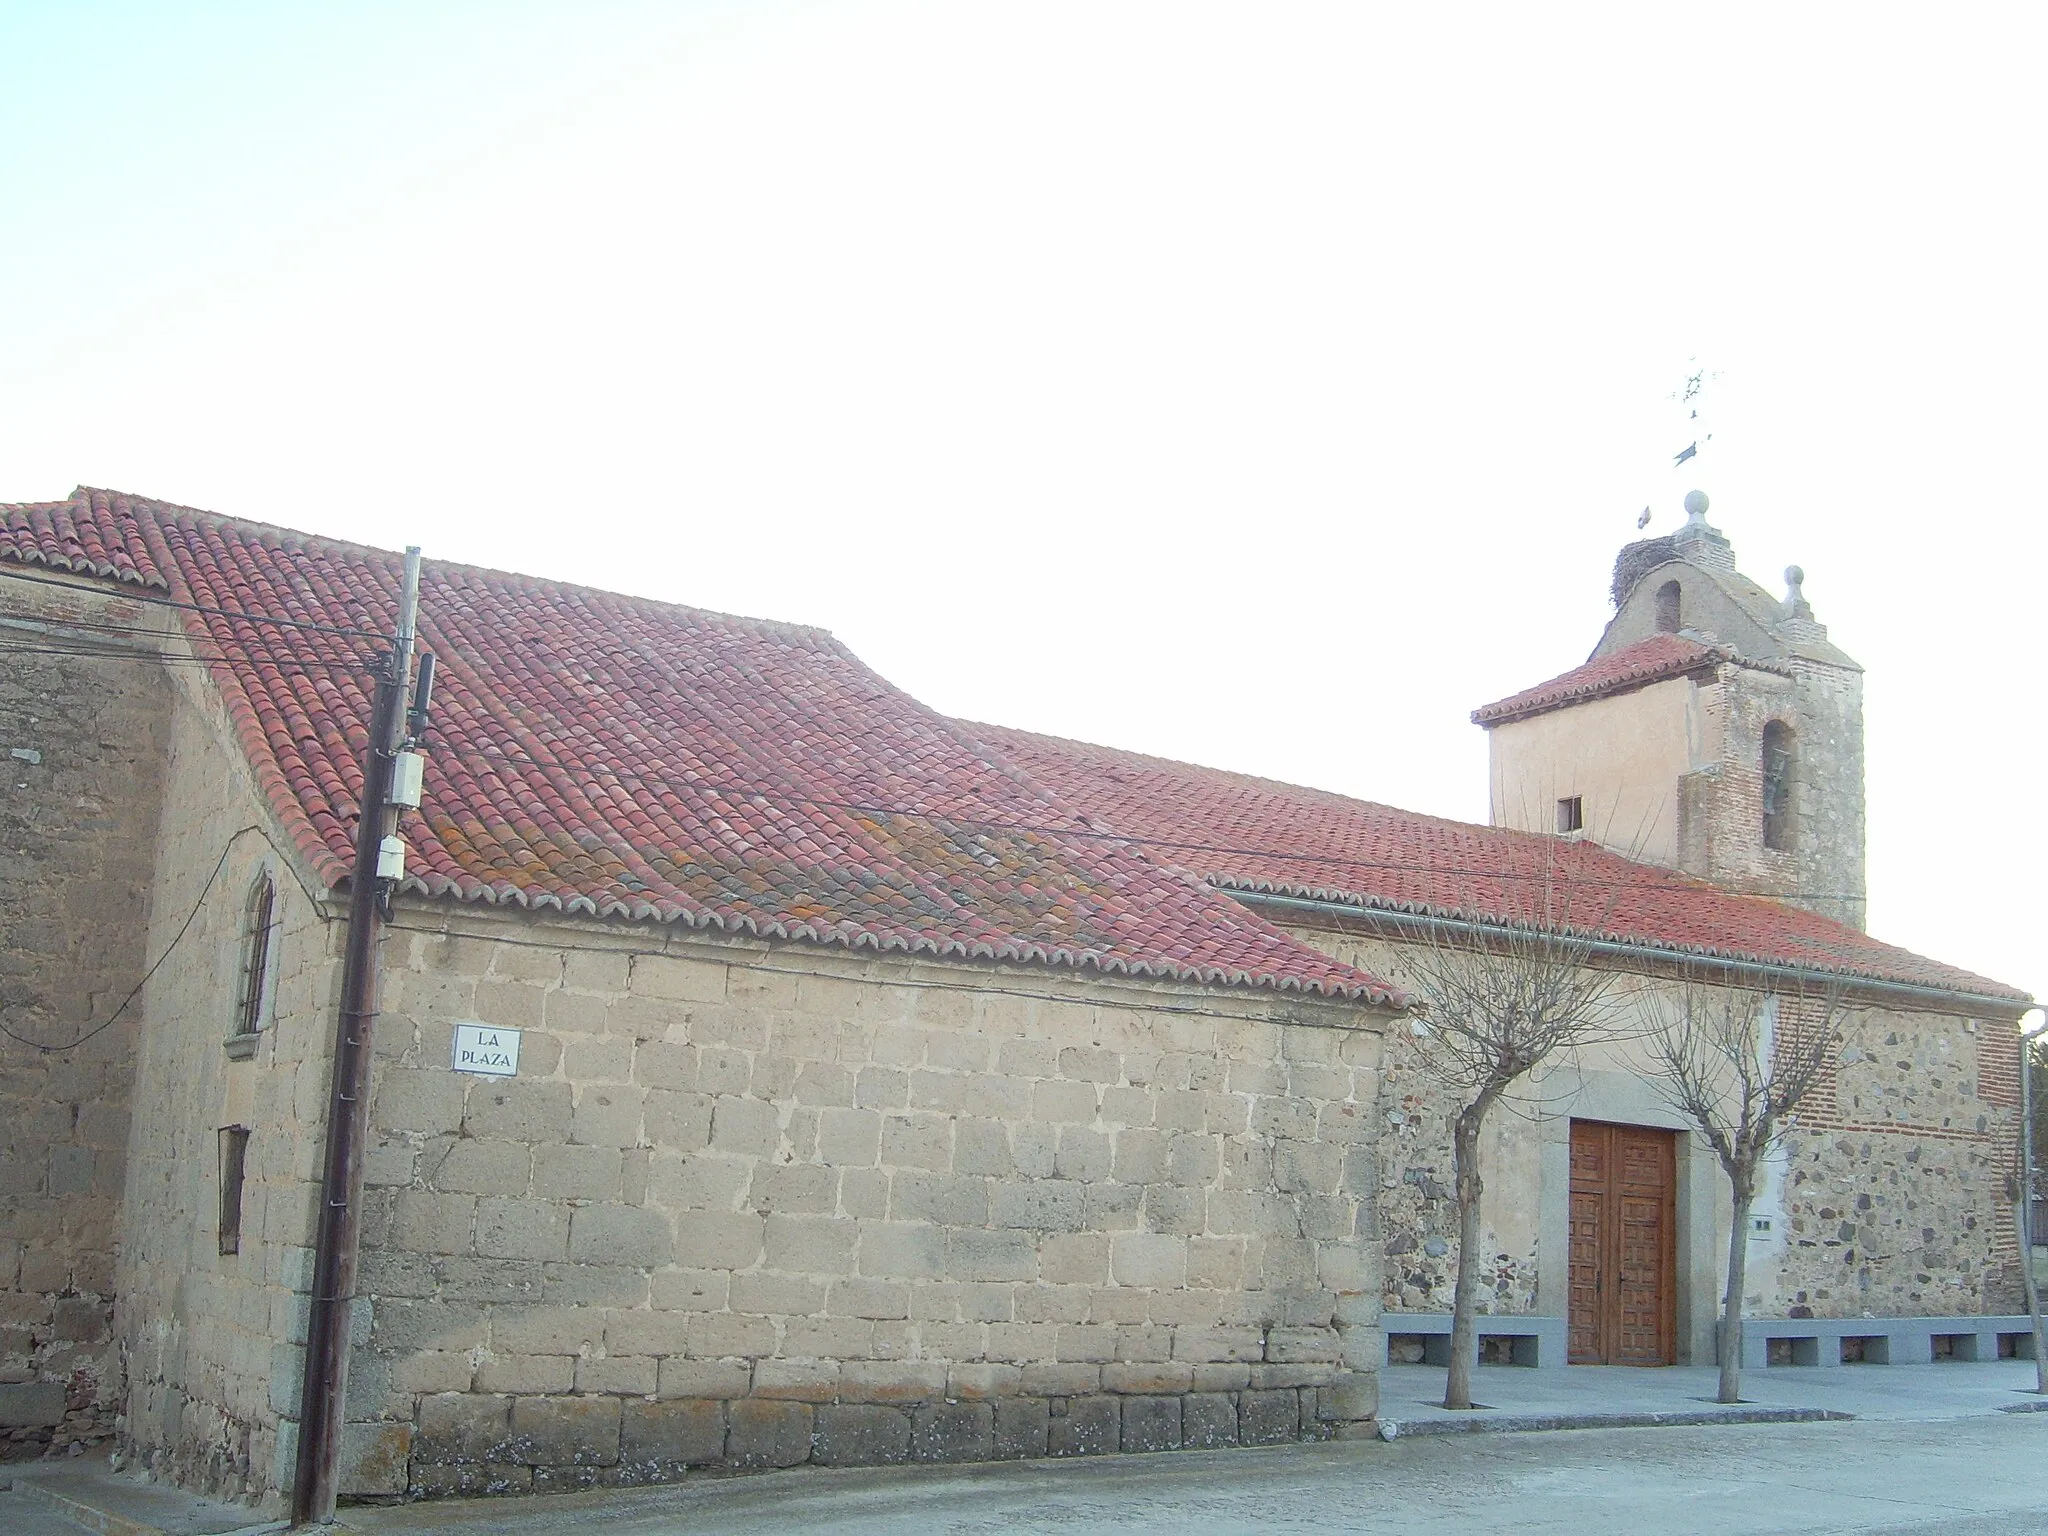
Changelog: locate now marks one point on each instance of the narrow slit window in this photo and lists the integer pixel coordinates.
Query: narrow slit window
(1571, 814)
(1777, 773)
(256, 956)
(234, 1156)
(1668, 617)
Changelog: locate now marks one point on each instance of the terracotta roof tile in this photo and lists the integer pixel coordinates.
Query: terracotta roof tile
(1258, 835)
(1647, 661)
(592, 753)
(77, 535)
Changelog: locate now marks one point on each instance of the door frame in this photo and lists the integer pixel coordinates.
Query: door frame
(1584, 1090)
(1671, 1344)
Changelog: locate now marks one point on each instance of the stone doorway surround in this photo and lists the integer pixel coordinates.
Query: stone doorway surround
(1620, 1097)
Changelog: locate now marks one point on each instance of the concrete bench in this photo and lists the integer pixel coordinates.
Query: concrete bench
(1533, 1341)
(1887, 1340)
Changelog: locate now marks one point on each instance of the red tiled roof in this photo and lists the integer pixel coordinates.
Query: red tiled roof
(80, 536)
(592, 753)
(1257, 835)
(1647, 661)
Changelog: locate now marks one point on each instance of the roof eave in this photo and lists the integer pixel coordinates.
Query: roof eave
(1490, 715)
(2013, 1003)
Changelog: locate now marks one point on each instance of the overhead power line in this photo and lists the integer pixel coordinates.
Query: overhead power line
(136, 991)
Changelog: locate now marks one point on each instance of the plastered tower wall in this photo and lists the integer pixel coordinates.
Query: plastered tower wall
(81, 744)
(1626, 755)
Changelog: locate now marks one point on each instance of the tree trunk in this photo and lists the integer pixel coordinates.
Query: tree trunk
(1464, 1322)
(1730, 1342)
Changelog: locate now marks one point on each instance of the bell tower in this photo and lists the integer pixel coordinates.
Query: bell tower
(1714, 730)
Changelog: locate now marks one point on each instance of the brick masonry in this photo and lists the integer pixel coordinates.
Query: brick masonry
(1721, 804)
(81, 747)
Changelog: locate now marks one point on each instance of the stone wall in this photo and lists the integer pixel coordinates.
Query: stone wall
(752, 1206)
(80, 746)
(213, 1366)
(1894, 1176)
(1418, 1208)
(1721, 805)
(1720, 802)
(1888, 1199)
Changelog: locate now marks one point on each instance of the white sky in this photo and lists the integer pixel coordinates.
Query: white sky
(1264, 385)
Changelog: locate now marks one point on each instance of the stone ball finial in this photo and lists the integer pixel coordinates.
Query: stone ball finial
(1696, 504)
(1796, 605)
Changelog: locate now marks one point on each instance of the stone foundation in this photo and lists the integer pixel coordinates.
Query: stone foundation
(465, 1444)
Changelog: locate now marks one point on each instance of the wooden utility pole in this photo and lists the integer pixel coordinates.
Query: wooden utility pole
(323, 1397)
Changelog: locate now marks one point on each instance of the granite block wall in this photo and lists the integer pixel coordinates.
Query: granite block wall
(211, 1338)
(81, 742)
(750, 1206)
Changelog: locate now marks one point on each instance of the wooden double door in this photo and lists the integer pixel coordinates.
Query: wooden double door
(1624, 1304)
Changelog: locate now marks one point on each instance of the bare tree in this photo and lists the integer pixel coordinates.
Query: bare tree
(1499, 1001)
(1738, 1062)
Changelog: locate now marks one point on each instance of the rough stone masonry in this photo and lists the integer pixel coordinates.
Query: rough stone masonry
(81, 747)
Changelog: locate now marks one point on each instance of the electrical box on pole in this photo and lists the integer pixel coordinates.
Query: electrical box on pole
(408, 780)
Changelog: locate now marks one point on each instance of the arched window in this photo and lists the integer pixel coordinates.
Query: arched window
(1777, 767)
(1667, 609)
(260, 922)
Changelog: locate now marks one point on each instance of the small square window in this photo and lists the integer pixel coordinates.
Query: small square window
(1571, 815)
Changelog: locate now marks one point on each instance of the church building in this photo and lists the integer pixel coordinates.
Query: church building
(771, 1070)
(1695, 790)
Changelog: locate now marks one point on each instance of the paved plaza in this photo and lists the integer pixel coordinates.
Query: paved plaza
(1907, 1451)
